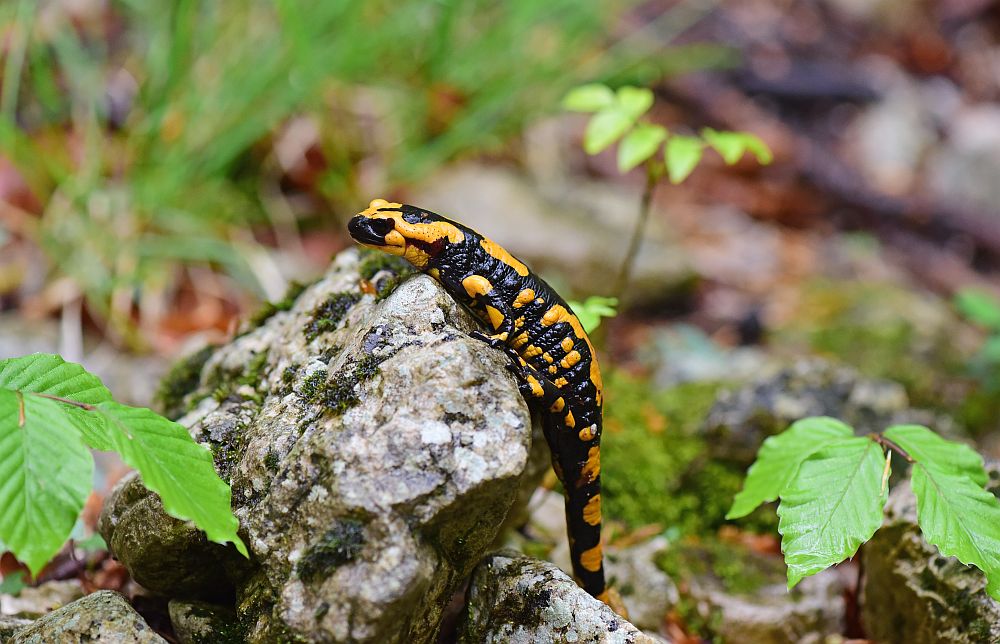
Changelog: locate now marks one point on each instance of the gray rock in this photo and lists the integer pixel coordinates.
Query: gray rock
(911, 593)
(373, 450)
(10, 625)
(103, 617)
(35, 601)
(569, 233)
(741, 419)
(203, 623)
(967, 166)
(740, 597)
(517, 599)
(647, 592)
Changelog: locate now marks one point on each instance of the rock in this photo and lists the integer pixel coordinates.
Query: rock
(103, 617)
(741, 419)
(35, 601)
(373, 450)
(738, 596)
(517, 599)
(648, 592)
(590, 222)
(911, 593)
(684, 353)
(10, 625)
(965, 168)
(203, 623)
(163, 554)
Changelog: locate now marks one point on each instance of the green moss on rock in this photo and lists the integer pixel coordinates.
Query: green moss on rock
(656, 467)
(338, 546)
(182, 379)
(328, 315)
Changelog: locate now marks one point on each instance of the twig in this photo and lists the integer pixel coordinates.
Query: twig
(628, 261)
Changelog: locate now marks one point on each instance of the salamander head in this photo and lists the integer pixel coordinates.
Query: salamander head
(407, 231)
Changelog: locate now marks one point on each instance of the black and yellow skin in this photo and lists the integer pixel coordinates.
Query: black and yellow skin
(552, 357)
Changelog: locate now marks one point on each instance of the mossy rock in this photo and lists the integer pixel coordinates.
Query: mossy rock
(656, 465)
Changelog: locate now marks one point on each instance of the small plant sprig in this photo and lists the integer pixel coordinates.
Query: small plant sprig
(51, 412)
(983, 309)
(833, 486)
(618, 117)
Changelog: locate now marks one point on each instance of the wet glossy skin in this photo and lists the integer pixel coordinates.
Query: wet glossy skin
(551, 355)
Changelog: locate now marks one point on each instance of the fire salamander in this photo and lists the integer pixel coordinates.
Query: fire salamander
(551, 355)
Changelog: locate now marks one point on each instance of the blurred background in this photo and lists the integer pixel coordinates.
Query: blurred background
(167, 167)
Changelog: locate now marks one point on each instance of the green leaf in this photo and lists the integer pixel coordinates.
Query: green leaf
(929, 449)
(960, 518)
(979, 306)
(588, 98)
(604, 128)
(634, 101)
(780, 457)
(174, 466)
(593, 309)
(640, 144)
(45, 476)
(732, 145)
(832, 506)
(44, 373)
(682, 155)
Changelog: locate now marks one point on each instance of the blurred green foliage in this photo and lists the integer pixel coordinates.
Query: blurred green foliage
(983, 309)
(148, 130)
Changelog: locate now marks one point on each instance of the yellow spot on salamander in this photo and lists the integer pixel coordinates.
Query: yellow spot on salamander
(558, 405)
(592, 511)
(567, 344)
(499, 252)
(531, 351)
(477, 285)
(553, 369)
(536, 387)
(519, 340)
(592, 468)
(560, 382)
(591, 559)
(588, 432)
(523, 298)
(571, 359)
(570, 421)
(375, 204)
(496, 317)
(519, 322)
(547, 357)
(435, 273)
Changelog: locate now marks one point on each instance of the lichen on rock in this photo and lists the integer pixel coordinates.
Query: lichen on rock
(517, 599)
(103, 616)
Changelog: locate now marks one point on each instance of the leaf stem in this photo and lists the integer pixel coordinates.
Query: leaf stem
(625, 271)
(74, 403)
(887, 443)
